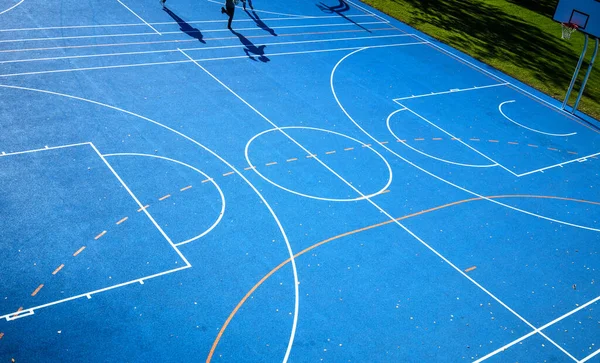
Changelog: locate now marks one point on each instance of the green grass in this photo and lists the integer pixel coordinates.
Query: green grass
(517, 37)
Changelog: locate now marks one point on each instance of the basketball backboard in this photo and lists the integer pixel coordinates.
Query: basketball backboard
(584, 13)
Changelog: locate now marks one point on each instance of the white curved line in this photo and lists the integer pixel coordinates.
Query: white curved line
(529, 128)
(425, 154)
(196, 170)
(430, 173)
(279, 225)
(312, 196)
(263, 11)
(12, 7)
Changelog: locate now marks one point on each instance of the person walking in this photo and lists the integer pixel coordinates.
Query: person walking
(230, 5)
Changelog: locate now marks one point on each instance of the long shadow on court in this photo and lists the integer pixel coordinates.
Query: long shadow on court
(185, 27)
(259, 23)
(339, 9)
(252, 51)
(489, 33)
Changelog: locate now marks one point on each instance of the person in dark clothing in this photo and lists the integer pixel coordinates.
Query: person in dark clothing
(230, 5)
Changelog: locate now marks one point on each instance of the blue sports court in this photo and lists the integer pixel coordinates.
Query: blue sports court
(320, 184)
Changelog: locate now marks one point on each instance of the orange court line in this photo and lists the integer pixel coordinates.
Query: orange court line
(18, 310)
(348, 149)
(474, 139)
(292, 159)
(553, 149)
(37, 290)
(384, 142)
(311, 156)
(419, 139)
(366, 145)
(471, 269)
(493, 141)
(164, 197)
(144, 207)
(185, 188)
(330, 152)
(532, 145)
(572, 152)
(122, 220)
(58, 269)
(513, 143)
(226, 174)
(271, 163)
(266, 277)
(79, 251)
(248, 168)
(1, 335)
(437, 138)
(100, 235)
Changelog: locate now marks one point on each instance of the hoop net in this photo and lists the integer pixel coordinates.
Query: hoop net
(567, 30)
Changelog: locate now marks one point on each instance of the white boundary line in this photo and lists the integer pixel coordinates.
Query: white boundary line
(139, 17)
(446, 92)
(552, 106)
(242, 176)
(459, 140)
(200, 60)
(529, 128)
(181, 33)
(175, 23)
(259, 11)
(581, 158)
(452, 184)
(389, 127)
(180, 41)
(43, 149)
(590, 356)
(366, 10)
(535, 331)
(201, 48)
(12, 7)
(221, 213)
(381, 210)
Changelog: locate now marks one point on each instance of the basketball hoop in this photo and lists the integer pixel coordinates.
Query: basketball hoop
(568, 29)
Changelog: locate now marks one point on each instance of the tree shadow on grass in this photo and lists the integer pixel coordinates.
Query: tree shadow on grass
(488, 33)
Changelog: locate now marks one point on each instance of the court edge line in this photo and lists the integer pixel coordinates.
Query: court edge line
(537, 330)
(185, 40)
(590, 356)
(31, 310)
(528, 128)
(145, 210)
(261, 197)
(260, 11)
(173, 23)
(139, 17)
(179, 32)
(439, 178)
(44, 149)
(382, 211)
(199, 48)
(447, 92)
(223, 203)
(367, 11)
(12, 7)
(560, 164)
(544, 102)
(424, 153)
(200, 60)
(381, 224)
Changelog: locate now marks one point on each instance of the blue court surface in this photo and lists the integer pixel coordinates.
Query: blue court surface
(321, 183)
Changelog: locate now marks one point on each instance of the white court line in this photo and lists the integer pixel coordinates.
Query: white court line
(529, 128)
(389, 127)
(458, 139)
(552, 106)
(12, 7)
(8, 317)
(178, 41)
(456, 90)
(221, 213)
(535, 331)
(259, 11)
(366, 10)
(456, 186)
(174, 23)
(558, 165)
(139, 17)
(229, 165)
(379, 208)
(200, 60)
(590, 356)
(44, 149)
(145, 210)
(200, 48)
(179, 32)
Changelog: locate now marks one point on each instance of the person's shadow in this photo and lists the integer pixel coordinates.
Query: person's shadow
(252, 50)
(185, 27)
(261, 24)
(339, 9)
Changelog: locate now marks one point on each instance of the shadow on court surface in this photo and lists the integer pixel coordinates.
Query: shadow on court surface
(185, 27)
(252, 50)
(339, 9)
(259, 23)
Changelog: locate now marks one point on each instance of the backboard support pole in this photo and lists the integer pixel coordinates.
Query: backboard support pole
(587, 76)
(576, 73)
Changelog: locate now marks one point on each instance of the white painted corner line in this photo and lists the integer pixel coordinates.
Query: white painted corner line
(139, 17)
(529, 128)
